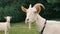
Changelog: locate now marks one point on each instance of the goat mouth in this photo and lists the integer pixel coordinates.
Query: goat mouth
(27, 22)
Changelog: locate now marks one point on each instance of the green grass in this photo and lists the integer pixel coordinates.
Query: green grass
(22, 28)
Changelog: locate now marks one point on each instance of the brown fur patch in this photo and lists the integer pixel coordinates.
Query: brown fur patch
(23, 9)
(38, 7)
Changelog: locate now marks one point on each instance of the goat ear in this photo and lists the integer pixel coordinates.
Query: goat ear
(38, 7)
(23, 9)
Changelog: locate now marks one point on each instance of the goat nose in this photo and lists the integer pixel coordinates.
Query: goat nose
(27, 19)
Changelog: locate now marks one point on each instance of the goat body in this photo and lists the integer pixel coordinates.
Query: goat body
(32, 15)
(5, 26)
(52, 26)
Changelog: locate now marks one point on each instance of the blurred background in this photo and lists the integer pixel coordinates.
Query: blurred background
(13, 8)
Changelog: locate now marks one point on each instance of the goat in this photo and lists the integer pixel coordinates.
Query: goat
(44, 26)
(5, 26)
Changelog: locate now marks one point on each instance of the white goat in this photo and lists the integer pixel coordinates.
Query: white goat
(5, 26)
(48, 26)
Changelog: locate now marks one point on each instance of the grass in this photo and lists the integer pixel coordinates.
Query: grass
(22, 28)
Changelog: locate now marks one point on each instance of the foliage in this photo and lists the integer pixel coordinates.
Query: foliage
(53, 1)
(13, 8)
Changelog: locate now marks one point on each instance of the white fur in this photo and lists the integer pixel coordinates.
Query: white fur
(5, 26)
(52, 27)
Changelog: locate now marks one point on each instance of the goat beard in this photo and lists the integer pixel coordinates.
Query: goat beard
(29, 26)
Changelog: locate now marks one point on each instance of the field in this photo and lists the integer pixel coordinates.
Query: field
(21, 28)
